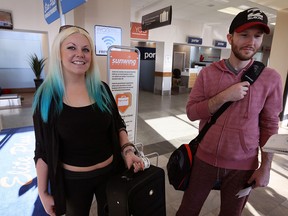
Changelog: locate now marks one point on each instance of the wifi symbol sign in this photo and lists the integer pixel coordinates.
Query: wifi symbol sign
(108, 40)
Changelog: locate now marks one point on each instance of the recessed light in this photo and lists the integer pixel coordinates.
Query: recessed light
(244, 7)
(230, 10)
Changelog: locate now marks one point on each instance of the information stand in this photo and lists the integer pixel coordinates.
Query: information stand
(123, 80)
(277, 143)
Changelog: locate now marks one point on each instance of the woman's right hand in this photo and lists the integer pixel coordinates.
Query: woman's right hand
(133, 160)
(48, 204)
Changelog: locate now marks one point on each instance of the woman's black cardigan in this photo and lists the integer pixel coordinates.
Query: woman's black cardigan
(47, 148)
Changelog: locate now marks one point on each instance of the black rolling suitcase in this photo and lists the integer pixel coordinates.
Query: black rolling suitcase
(137, 194)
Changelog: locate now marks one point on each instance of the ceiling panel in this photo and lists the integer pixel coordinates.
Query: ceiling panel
(275, 4)
(204, 11)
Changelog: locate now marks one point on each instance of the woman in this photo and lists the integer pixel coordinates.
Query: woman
(79, 132)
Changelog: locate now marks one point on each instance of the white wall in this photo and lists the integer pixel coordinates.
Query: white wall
(278, 55)
(109, 13)
(28, 16)
(112, 12)
(16, 49)
(179, 30)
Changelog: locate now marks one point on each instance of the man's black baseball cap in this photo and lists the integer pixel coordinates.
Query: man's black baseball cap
(249, 18)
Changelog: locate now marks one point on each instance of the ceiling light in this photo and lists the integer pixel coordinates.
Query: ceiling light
(230, 10)
(273, 23)
(244, 7)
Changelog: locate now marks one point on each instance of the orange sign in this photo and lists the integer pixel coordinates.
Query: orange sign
(136, 31)
(123, 101)
(123, 81)
(123, 60)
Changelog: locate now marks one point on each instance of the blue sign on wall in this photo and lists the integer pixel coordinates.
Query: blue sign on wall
(220, 43)
(68, 5)
(51, 12)
(194, 40)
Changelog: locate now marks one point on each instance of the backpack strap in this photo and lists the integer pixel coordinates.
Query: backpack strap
(253, 72)
(251, 76)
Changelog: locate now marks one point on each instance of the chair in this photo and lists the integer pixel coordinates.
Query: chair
(176, 77)
(176, 73)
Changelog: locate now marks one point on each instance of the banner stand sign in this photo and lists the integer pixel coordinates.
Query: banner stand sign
(123, 79)
(51, 11)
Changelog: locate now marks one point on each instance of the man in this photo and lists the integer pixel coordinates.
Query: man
(228, 152)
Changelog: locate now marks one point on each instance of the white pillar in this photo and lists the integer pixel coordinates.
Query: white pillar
(163, 67)
(278, 55)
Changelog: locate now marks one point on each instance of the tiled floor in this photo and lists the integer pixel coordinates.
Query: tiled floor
(162, 125)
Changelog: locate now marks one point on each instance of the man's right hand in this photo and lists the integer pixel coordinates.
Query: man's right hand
(233, 93)
(236, 92)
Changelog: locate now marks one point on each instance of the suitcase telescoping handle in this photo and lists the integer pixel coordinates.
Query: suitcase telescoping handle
(129, 173)
(139, 148)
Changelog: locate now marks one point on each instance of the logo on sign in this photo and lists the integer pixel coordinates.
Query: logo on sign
(123, 101)
(51, 12)
(108, 40)
(220, 43)
(194, 40)
(137, 32)
(147, 53)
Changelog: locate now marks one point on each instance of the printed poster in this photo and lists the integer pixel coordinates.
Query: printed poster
(123, 81)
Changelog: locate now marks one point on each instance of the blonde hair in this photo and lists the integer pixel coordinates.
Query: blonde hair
(53, 86)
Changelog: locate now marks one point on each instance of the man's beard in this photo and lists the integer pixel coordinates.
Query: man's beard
(241, 56)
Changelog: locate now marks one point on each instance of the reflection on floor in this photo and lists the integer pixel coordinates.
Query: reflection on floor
(162, 126)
